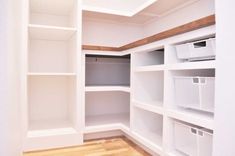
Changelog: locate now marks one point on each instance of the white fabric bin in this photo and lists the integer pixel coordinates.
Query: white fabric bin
(199, 50)
(195, 93)
(192, 140)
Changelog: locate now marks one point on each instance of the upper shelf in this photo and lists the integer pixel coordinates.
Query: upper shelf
(50, 32)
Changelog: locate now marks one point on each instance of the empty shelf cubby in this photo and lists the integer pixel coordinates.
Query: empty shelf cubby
(148, 125)
(44, 12)
(148, 58)
(104, 108)
(148, 88)
(107, 70)
(51, 102)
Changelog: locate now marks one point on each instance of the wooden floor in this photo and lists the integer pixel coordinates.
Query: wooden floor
(120, 146)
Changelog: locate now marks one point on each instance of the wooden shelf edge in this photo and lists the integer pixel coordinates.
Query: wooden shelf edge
(100, 48)
(194, 25)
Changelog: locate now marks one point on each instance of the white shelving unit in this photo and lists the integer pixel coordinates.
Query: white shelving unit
(52, 87)
(107, 99)
(70, 93)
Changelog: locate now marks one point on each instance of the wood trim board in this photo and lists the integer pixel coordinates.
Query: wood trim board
(197, 24)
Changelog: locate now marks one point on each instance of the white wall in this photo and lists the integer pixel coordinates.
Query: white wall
(190, 13)
(224, 139)
(110, 33)
(10, 128)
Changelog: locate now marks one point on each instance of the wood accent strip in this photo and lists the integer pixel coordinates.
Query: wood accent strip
(197, 24)
(100, 48)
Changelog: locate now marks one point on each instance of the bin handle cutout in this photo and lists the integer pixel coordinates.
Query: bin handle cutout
(193, 131)
(200, 133)
(195, 80)
(200, 44)
(203, 81)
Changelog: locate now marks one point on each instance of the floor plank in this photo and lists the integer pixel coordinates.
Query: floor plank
(120, 146)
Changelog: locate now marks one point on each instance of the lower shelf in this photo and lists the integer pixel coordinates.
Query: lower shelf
(99, 120)
(51, 132)
(49, 124)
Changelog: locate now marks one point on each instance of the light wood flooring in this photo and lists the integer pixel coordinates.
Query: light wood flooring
(120, 146)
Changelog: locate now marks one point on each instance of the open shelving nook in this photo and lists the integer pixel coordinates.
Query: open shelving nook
(105, 108)
(148, 125)
(148, 88)
(52, 56)
(52, 87)
(45, 12)
(149, 60)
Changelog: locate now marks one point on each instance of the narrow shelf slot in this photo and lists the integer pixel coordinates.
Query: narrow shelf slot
(148, 88)
(148, 125)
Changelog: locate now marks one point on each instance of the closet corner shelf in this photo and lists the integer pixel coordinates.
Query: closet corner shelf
(149, 106)
(51, 74)
(193, 65)
(190, 116)
(107, 88)
(150, 68)
(106, 122)
(44, 32)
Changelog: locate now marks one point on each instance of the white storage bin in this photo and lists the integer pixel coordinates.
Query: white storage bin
(195, 93)
(200, 50)
(192, 140)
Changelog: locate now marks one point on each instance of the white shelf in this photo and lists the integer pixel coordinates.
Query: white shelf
(190, 116)
(49, 124)
(43, 32)
(108, 119)
(51, 74)
(51, 132)
(149, 106)
(107, 88)
(192, 65)
(150, 68)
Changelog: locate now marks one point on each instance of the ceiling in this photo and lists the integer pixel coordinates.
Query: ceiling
(156, 10)
(116, 7)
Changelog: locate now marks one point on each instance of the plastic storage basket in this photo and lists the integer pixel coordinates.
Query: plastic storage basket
(195, 93)
(200, 50)
(192, 140)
